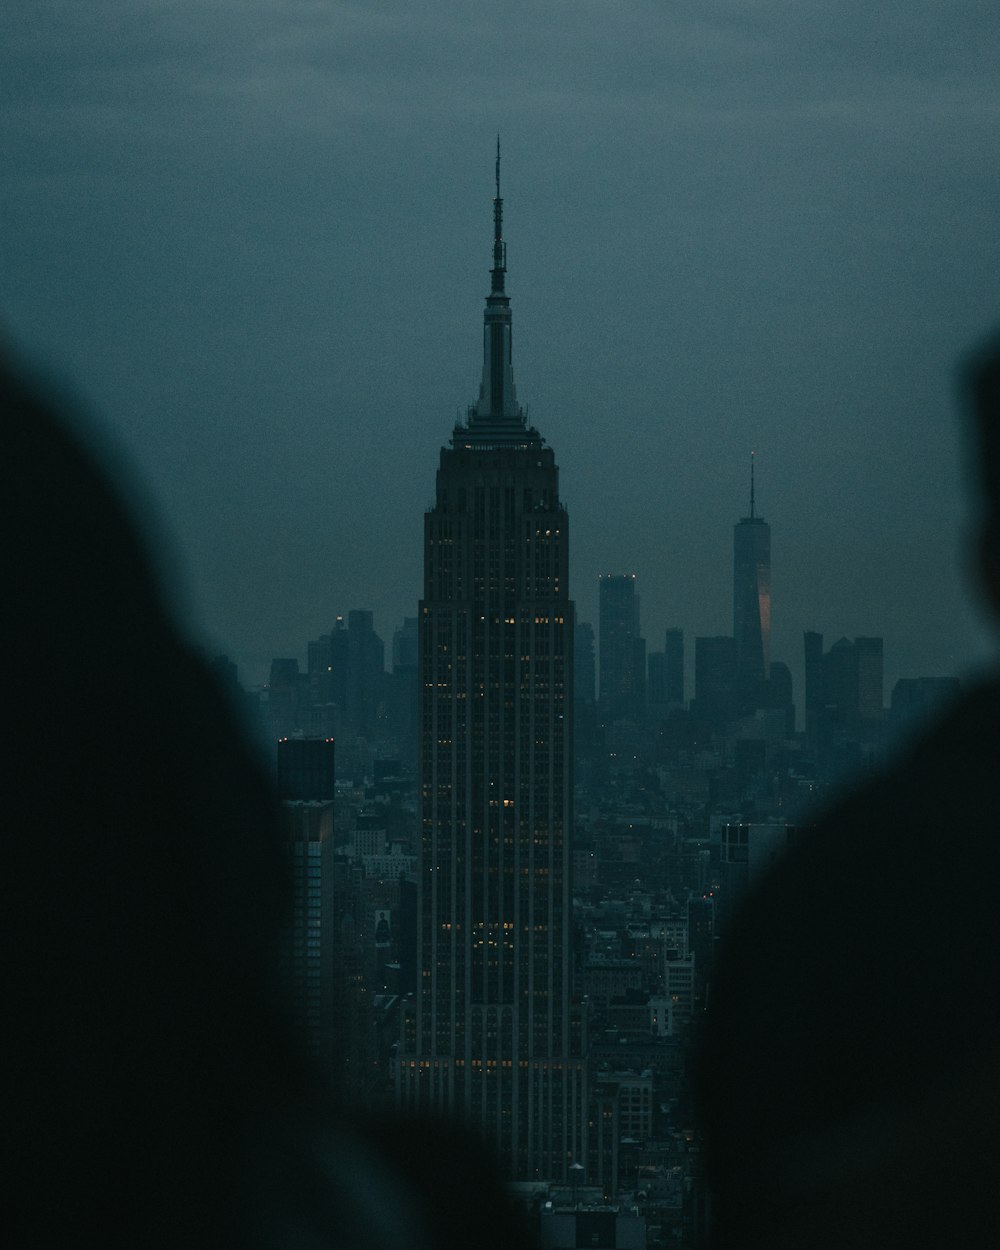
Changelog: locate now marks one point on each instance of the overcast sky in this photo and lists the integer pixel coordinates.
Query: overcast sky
(255, 238)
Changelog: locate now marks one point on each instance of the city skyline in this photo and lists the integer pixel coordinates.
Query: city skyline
(253, 253)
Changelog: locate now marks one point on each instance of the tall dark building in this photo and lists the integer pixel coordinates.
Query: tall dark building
(492, 1035)
(584, 666)
(714, 682)
(673, 650)
(308, 948)
(846, 681)
(622, 649)
(871, 700)
(815, 698)
(306, 771)
(752, 599)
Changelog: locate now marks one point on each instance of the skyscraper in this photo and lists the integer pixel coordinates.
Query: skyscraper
(752, 599)
(622, 649)
(714, 682)
(673, 650)
(492, 1036)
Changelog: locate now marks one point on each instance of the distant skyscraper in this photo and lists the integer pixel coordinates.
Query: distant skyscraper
(622, 649)
(871, 705)
(308, 948)
(584, 666)
(752, 598)
(815, 697)
(673, 650)
(656, 683)
(493, 1036)
(849, 680)
(714, 682)
(365, 674)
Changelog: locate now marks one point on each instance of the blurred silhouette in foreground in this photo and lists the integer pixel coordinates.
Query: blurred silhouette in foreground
(850, 1066)
(154, 1094)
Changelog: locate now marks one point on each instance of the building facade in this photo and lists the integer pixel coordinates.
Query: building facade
(308, 951)
(492, 1035)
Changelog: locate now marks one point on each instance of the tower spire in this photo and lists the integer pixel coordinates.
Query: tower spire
(496, 416)
(753, 511)
(499, 247)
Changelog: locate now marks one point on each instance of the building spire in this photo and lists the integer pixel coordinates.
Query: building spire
(753, 512)
(499, 247)
(497, 417)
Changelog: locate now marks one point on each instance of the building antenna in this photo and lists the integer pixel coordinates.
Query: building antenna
(499, 247)
(752, 506)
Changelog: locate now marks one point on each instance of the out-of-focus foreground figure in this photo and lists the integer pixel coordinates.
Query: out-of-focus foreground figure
(153, 1093)
(850, 1068)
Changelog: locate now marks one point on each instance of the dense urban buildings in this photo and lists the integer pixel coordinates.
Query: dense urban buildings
(492, 1035)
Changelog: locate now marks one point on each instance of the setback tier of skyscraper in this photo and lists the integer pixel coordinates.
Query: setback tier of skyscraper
(492, 1035)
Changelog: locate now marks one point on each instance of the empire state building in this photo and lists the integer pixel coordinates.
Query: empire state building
(492, 1036)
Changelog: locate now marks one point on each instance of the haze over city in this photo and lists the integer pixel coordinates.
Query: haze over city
(255, 241)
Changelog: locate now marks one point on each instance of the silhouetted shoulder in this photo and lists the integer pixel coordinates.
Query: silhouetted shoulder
(864, 964)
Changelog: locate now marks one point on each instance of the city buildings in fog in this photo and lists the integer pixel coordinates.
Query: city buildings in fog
(493, 1035)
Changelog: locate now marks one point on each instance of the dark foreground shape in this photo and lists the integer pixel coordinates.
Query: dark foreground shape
(849, 1072)
(153, 1093)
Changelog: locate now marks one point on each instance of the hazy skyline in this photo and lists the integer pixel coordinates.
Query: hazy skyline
(255, 237)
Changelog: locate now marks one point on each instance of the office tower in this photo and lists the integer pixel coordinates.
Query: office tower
(656, 683)
(491, 1035)
(287, 698)
(622, 649)
(365, 675)
(812, 643)
(308, 951)
(871, 707)
(840, 683)
(673, 650)
(844, 700)
(752, 600)
(714, 682)
(306, 769)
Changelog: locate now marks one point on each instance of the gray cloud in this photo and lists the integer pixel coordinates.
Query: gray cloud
(257, 236)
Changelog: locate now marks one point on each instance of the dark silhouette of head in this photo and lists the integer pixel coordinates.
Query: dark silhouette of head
(981, 388)
(848, 1064)
(143, 883)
